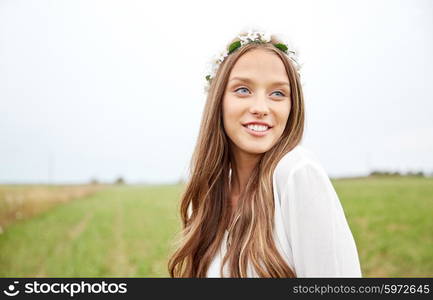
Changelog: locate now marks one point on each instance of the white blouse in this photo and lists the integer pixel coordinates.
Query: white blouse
(311, 230)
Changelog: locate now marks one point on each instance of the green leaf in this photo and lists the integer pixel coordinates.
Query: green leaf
(282, 47)
(208, 77)
(233, 46)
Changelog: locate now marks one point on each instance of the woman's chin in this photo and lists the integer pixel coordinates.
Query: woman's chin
(257, 149)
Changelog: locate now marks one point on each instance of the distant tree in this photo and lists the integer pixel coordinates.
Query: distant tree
(416, 174)
(396, 173)
(94, 181)
(119, 180)
(384, 173)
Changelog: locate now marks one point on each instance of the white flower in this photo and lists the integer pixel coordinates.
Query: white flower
(252, 35)
(222, 56)
(243, 39)
(265, 37)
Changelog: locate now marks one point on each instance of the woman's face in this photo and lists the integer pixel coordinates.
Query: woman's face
(256, 102)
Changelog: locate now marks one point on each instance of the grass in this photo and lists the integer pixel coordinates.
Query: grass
(119, 231)
(23, 201)
(391, 220)
(128, 230)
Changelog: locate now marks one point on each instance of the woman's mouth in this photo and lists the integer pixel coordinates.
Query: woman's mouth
(257, 130)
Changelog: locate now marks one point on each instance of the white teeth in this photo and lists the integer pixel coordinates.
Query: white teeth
(256, 127)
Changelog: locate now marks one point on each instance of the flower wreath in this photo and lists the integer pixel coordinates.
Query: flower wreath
(244, 39)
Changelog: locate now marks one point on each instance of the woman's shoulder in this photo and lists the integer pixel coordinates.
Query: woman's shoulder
(299, 157)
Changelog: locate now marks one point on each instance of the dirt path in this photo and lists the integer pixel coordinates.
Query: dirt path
(119, 264)
(70, 237)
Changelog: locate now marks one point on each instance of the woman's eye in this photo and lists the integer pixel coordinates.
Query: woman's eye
(240, 89)
(281, 94)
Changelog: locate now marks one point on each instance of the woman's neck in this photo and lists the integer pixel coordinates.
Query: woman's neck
(243, 168)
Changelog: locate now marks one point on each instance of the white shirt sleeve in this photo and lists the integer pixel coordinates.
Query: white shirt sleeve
(321, 241)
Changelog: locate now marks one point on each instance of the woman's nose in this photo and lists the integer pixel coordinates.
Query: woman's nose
(259, 106)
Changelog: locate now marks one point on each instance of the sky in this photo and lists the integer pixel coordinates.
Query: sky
(102, 89)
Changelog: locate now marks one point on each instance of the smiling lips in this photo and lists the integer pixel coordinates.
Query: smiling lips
(257, 128)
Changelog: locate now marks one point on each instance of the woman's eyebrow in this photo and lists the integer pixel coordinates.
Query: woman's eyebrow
(241, 79)
(250, 81)
(280, 83)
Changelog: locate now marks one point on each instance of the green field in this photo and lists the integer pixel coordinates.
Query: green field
(127, 231)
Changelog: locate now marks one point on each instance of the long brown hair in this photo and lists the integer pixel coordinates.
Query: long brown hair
(204, 207)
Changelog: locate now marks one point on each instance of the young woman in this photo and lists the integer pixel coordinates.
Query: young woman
(258, 204)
